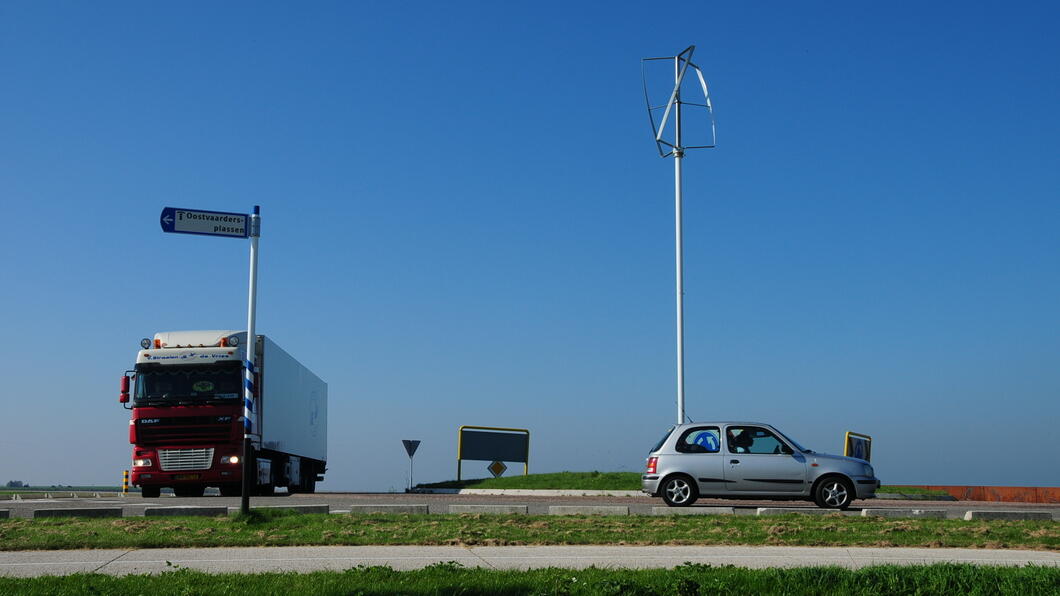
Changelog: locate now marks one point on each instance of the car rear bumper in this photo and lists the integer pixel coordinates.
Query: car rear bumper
(649, 483)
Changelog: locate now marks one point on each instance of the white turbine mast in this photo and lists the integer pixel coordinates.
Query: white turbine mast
(682, 62)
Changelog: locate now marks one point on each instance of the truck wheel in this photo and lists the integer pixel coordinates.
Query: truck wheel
(189, 491)
(231, 490)
(834, 492)
(679, 491)
(150, 492)
(310, 486)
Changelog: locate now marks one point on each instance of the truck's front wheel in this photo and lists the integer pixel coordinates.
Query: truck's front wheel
(189, 491)
(150, 492)
(231, 490)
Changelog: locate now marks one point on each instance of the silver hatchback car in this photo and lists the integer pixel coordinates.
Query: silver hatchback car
(750, 460)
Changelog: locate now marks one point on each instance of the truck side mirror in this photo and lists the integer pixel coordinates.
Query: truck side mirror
(123, 397)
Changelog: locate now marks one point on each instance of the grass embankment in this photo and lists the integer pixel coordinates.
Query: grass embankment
(451, 578)
(598, 481)
(557, 480)
(281, 529)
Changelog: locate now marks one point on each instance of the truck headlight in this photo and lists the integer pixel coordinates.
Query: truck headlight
(231, 459)
(142, 463)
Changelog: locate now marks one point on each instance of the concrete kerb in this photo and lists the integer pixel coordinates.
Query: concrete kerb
(588, 510)
(407, 509)
(918, 513)
(693, 511)
(787, 510)
(1008, 515)
(490, 509)
(78, 512)
(324, 508)
(186, 511)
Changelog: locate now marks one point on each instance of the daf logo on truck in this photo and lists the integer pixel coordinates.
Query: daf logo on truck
(186, 427)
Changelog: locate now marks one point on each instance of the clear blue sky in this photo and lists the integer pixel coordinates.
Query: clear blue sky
(465, 222)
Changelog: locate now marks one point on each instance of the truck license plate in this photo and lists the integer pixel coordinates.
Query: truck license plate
(185, 477)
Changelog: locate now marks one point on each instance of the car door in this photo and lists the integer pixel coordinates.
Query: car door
(758, 461)
(701, 458)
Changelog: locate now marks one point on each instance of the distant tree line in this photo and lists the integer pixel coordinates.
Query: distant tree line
(15, 484)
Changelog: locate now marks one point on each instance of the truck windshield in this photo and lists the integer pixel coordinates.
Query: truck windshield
(183, 384)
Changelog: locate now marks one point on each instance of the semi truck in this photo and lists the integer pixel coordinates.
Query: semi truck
(186, 427)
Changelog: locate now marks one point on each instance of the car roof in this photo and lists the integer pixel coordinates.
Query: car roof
(724, 423)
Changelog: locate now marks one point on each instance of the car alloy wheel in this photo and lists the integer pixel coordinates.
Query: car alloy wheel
(679, 492)
(834, 493)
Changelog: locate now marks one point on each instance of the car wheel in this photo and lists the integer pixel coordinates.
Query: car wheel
(834, 493)
(679, 491)
(150, 492)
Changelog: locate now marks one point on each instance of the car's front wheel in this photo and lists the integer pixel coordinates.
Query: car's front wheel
(834, 493)
(679, 491)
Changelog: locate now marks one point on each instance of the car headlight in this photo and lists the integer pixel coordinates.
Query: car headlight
(141, 463)
(868, 470)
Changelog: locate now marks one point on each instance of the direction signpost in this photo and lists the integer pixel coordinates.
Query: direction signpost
(411, 446)
(204, 223)
(175, 220)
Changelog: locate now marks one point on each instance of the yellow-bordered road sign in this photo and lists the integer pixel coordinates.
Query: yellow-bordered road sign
(857, 445)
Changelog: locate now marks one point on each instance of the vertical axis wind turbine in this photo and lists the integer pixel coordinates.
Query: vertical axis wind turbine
(677, 148)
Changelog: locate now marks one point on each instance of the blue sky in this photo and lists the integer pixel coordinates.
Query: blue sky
(465, 222)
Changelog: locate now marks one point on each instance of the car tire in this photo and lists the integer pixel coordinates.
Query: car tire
(151, 492)
(834, 492)
(679, 491)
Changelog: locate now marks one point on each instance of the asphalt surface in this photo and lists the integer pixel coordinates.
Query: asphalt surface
(134, 505)
(337, 558)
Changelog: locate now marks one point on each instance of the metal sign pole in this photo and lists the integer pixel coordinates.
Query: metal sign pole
(248, 365)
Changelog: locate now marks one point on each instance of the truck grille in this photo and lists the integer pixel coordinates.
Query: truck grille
(188, 430)
(185, 459)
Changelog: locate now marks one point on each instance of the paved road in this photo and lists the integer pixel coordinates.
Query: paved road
(336, 558)
(537, 505)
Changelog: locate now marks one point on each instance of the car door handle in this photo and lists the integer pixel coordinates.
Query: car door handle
(734, 461)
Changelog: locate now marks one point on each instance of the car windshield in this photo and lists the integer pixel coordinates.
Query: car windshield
(184, 384)
(661, 441)
(795, 443)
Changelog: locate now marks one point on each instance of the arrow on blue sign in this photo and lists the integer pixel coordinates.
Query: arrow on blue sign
(175, 220)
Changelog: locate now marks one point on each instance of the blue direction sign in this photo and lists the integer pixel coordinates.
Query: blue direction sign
(205, 223)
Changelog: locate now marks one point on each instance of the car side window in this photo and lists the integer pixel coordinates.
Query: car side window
(704, 439)
(754, 440)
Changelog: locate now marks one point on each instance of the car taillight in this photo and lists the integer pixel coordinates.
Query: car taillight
(653, 463)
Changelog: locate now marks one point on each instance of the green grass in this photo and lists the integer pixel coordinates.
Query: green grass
(452, 578)
(278, 528)
(558, 480)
